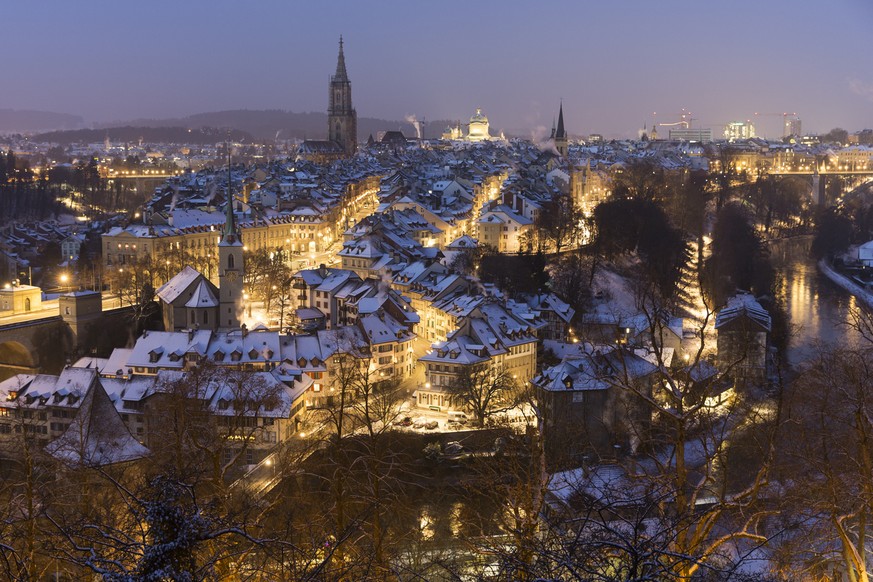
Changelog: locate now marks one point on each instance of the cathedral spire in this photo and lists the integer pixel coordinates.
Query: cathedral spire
(341, 74)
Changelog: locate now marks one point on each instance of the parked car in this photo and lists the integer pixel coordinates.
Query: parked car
(405, 421)
(457, 417)
(431, 425)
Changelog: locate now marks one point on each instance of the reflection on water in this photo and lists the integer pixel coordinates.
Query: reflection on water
(817, 309)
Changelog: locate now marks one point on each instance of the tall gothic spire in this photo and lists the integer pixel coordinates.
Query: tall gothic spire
(341, 74)
(560, 131)
(230, 234)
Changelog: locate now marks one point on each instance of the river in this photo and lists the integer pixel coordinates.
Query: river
(817, 309)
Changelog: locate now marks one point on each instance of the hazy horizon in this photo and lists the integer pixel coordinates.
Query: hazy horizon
(613, 65)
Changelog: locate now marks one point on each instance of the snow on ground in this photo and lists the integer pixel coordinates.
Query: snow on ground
(618, 297)
(846, 283)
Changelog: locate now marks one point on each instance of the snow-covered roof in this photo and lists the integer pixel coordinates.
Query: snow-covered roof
(743, 305)
(97, 435)
(172, 289)
(203, 296)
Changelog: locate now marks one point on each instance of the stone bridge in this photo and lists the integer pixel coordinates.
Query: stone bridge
(46, 343)
(818, 179)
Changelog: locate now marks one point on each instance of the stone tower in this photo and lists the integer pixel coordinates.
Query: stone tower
(230, 268)
(342, 119)
(560, 133)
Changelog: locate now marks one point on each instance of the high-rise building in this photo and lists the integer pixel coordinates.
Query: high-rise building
(791, 126)
(739, 130)
(342, 119)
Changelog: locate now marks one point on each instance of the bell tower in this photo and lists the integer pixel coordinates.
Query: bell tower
(230, 265)
(342, 119)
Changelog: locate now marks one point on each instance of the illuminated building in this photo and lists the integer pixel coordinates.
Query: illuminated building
(739, 130)
(478, 127)
(700, 134)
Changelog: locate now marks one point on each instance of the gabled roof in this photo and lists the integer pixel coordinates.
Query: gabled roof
(97, 435)
(172, 289)
(743, 305)
(203, 296)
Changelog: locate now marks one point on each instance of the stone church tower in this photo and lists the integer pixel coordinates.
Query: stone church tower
(342, 119)
(230, 269)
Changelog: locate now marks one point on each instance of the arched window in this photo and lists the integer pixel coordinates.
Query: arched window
(337, 134)
(230, 261)
(205, 317)
(27, 303)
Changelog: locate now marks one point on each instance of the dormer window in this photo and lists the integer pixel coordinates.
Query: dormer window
(235, 355)
(269, 354)
(218, 356)
(301, 362)
(253, 354)
(223, 404)
(155, 355)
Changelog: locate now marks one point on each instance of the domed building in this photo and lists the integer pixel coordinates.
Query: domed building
(478, 127)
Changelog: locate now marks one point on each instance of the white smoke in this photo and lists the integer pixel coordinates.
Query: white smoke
(539, 136)
(416, 124)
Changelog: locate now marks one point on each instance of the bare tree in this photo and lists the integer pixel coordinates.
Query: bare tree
(485, 389)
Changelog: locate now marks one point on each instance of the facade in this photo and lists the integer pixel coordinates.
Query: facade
(791, 126)
(736, 130)
(699, 134)
(491, 335)
(503, 229)
(20, 299)
(189, 300)
(595, 405)
(743, 328)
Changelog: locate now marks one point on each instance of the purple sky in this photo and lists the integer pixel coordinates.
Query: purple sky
(613, 62)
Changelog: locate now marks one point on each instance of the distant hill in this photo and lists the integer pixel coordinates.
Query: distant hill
(131, 134)
(27, 121)
(266, 125)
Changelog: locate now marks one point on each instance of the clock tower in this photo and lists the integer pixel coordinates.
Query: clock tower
(230, 269)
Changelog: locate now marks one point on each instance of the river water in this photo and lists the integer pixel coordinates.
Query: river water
(817, 308)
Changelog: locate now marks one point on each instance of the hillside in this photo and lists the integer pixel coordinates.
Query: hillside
(268, 124)
(132, 134)
(26, 121)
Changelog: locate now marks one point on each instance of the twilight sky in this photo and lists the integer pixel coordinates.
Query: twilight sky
(614, 62)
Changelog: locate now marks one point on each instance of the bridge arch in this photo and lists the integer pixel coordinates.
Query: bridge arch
(15, 358)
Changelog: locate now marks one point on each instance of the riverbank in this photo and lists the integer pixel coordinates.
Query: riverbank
(844, 282)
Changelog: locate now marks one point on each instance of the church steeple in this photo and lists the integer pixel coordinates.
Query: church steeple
(230, 264)
(560, 133)
(342, 120)
(341, 74)
(230, 233)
